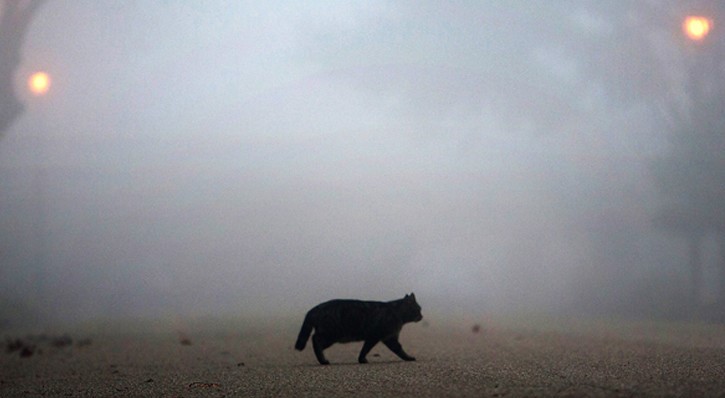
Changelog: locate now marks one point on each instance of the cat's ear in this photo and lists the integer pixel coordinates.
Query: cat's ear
(406, 296)
(412, 295)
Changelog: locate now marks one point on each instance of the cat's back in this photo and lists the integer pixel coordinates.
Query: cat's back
(347, 311)
(337, 304)
(346, 320)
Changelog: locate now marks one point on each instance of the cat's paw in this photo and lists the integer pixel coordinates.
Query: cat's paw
(409, 358)
(362, 360)
(325, 362)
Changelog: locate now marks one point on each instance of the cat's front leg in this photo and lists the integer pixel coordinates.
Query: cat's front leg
(395, 347)
(369, 344)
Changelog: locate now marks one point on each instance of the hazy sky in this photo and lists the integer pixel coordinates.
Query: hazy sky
(234, 157)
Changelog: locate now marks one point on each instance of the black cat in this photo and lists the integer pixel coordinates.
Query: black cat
(343, 321)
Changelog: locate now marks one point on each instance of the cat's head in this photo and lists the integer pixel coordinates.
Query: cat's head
(410, 310)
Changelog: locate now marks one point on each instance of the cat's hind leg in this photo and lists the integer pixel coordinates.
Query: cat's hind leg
(319, 344)
(369, 344)
(395, 347)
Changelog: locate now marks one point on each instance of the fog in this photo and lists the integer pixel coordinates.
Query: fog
(228, 158)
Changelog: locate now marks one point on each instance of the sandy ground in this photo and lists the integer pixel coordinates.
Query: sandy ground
(238, 358)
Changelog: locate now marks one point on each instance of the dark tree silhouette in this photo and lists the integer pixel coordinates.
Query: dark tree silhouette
(691, 175)
(15, 18)
(648, 63)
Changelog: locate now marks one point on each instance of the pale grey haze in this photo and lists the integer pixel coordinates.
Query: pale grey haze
(243, 157)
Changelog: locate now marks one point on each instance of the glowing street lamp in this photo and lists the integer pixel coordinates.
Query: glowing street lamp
(696, 28)
(39, 83)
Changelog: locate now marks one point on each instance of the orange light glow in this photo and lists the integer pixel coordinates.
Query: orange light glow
(696, 28)
(39, 83)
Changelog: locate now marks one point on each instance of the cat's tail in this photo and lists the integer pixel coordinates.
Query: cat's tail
(304, 334)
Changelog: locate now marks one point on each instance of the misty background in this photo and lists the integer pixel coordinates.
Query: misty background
(237, 158)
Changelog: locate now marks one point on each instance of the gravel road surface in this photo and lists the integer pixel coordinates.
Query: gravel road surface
(247, 359)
